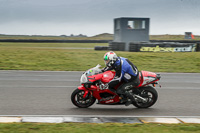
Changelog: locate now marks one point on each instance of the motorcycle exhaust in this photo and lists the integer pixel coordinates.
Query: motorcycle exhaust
(141, 98)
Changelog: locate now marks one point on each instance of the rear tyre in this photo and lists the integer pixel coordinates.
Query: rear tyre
(150, 94)
(78, 100)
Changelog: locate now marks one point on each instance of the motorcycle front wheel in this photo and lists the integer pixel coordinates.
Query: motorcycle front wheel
(78, 100)
(148, 93)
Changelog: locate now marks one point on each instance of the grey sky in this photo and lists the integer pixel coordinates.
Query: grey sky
(91, 17)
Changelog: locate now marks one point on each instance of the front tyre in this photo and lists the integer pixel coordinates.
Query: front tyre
(78, 100)
(148, 93)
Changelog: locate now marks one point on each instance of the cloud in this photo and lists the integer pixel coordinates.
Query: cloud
(81, 14)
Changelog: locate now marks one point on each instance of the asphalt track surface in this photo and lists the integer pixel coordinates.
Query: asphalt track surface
(49, 93)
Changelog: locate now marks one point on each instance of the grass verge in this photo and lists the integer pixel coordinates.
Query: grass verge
(60, 57)
(98, 128)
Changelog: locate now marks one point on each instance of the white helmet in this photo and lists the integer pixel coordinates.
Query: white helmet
(110, 58)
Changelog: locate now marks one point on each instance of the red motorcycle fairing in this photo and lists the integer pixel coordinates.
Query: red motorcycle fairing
(104, 77)
(96, 91)
(107, 76)
(147, 78)
(113, 99)
(95, 77)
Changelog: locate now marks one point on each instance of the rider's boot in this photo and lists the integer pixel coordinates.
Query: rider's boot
(130, 98)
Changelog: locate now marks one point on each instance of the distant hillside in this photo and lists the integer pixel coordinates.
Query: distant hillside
(171, 37)
(107, 36)
(104, 36)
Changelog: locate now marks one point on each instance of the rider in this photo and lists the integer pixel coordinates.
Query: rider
(125, 70)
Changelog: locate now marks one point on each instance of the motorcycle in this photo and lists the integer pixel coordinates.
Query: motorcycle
(92, 88)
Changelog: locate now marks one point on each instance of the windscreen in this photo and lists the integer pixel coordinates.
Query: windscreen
(93, 71)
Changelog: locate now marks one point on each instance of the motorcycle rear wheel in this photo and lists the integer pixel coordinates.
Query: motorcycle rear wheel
(150, 94)
(78, 100)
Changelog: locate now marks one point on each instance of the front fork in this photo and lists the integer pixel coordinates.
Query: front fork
(87, 92)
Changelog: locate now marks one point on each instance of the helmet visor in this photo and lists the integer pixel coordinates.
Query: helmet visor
(106, 61)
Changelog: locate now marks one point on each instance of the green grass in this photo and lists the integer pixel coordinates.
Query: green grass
(98, 128)
(49, 45)
(55, 57)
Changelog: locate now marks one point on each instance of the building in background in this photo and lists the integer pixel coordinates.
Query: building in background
(128, 30)
(189, 35)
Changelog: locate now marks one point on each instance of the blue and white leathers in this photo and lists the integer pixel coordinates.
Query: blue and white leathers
(125, 70)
